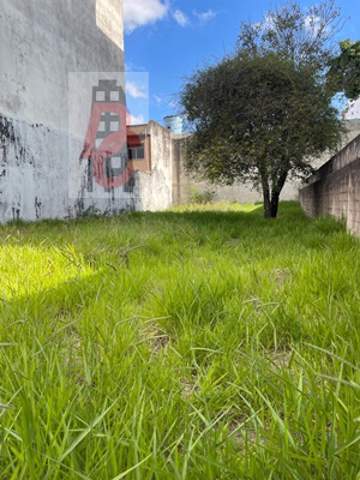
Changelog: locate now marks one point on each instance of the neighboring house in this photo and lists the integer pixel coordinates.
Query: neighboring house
(151, 158)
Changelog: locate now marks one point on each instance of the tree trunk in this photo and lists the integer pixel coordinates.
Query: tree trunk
(274, 205)
(267, 200)
(271, 205)
(272, 196)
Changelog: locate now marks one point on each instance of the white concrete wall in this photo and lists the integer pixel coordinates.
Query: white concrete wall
(41, 42)
(154, 190)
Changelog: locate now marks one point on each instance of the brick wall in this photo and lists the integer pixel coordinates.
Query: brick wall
(335, 188)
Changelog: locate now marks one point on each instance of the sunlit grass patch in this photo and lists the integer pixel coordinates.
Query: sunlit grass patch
(27, 269)
(219, 207)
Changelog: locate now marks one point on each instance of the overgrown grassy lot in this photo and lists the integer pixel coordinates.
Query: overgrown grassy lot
(196, 344)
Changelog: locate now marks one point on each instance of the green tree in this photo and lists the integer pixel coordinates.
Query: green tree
(344, 74)
(260, 120)
(261, 115)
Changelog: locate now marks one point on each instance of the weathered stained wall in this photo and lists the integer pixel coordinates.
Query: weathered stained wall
(335, 188)
(154, 188)
(41, 42)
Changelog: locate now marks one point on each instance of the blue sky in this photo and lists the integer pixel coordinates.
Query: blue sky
(166, 40)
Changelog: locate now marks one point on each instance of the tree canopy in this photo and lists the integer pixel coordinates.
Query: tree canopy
(257, 119)
(344, 74)
(301, 36)
(264, 113)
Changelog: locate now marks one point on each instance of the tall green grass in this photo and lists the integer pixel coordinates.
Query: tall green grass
(200, 343)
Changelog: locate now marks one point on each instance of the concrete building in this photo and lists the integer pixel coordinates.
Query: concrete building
(43, 45)
(151, 159)
(157, 160)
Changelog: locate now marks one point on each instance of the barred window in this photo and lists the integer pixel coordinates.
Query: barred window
(137, 153)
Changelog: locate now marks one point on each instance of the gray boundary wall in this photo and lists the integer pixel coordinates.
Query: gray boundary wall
(186, 184)
(335, 188)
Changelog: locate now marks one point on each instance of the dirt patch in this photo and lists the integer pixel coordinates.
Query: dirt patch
(188, 387)
(157, 338)
(281, 360)
(281, 276)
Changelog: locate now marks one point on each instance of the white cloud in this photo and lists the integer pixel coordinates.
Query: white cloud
(138, 13)
(134, 90)
(205, 17)
(181, 18)
(174, 104)
(135, 119)
(157, 99)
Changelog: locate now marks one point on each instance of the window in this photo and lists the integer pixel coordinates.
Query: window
(115, 96)
(100, 96)
(137, 153)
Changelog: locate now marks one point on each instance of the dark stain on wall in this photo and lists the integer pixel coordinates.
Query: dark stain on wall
(7, 134)
(16, 213)
(38, 205)
(8, 137)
